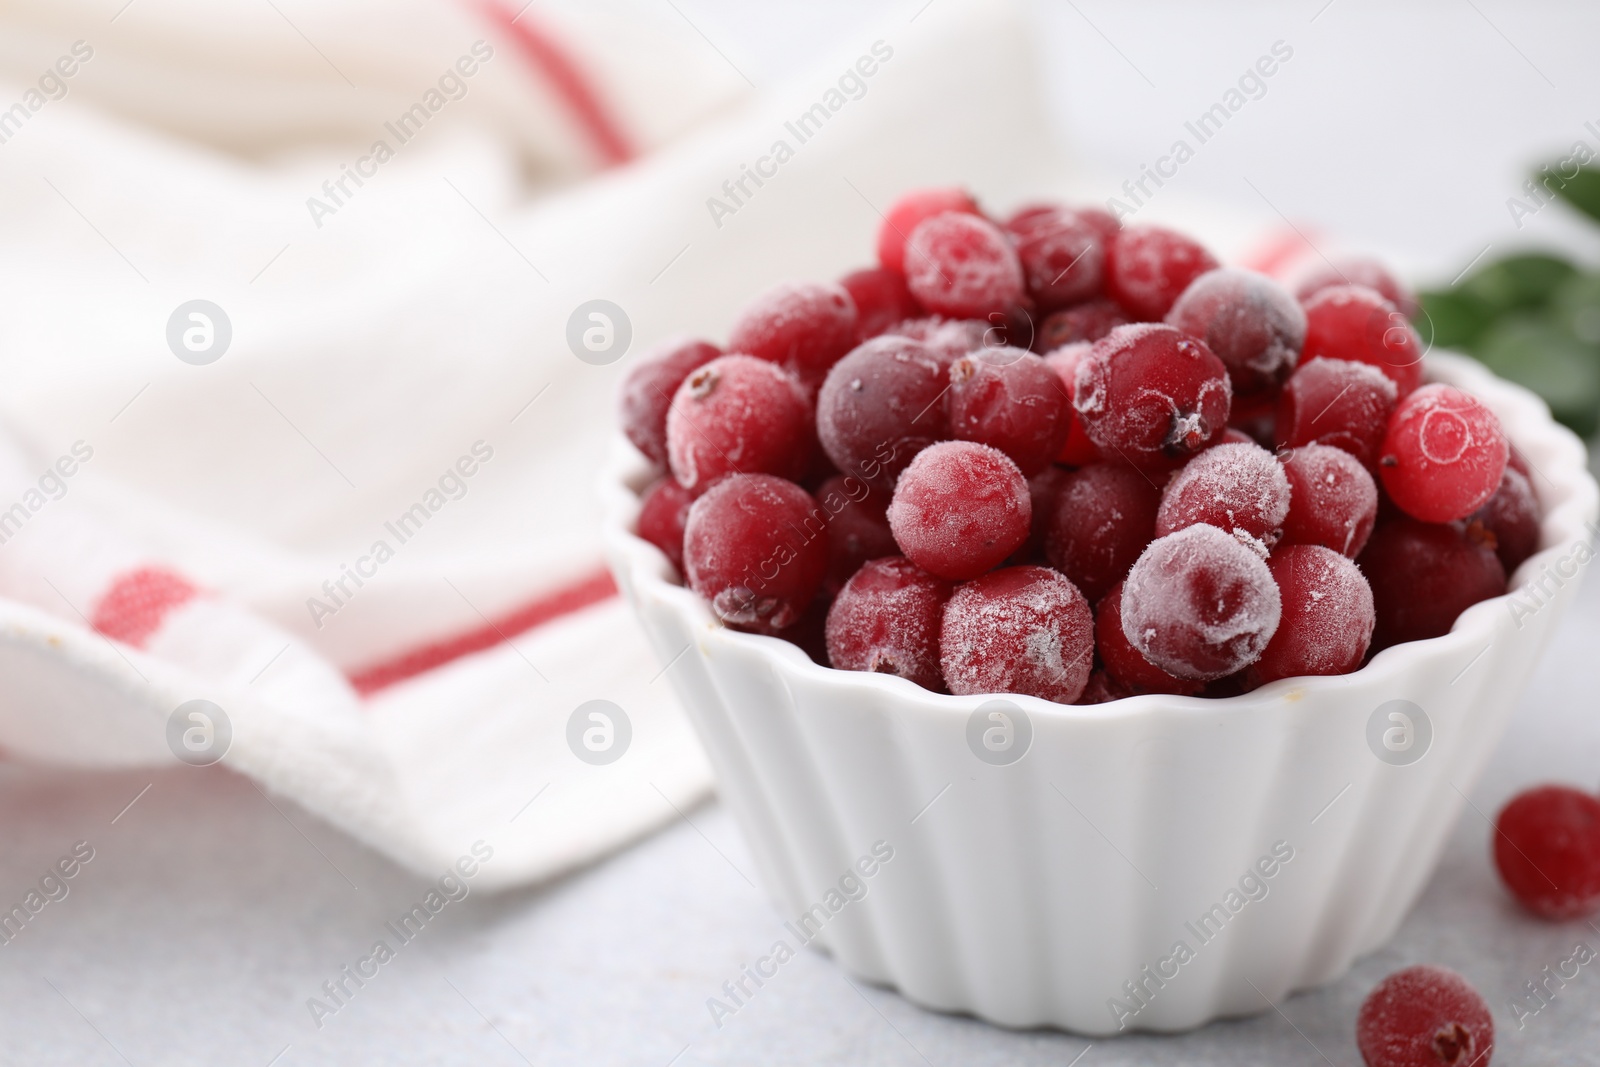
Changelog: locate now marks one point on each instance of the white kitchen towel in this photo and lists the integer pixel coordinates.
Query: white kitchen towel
(367, 531)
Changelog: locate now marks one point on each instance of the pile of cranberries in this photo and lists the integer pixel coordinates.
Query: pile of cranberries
(1059, 456)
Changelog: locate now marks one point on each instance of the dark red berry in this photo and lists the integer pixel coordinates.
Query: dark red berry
(1232, 487)
(1063, 260)
(1103, 689)
(960, 509)
(1357, 270)
(858, 529)
(1248, 321)
(1333, 501)
(963, 266)
(887, 619)
(756, 548)
(1340, 403)
(1509, 520)
(1423, 575)
(1078, 449)
(648, 391)
(1019, 630)
(1425, 1016)
(801, 326)
(880, 406)
(738, 414)
(1088, 321)
(1010, 399)
(1199, 604)
(1327, 615)
(881, 299)
(1443, 455)
(1547, 849)
(1356, 323)
(1124, 663)
(1148, 267)
(1044, 489)
(908, 212)
(1104, 515)
(1151, 395)
(662, 515)
(950, 339)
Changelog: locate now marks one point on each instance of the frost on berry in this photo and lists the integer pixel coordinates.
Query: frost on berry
(1148, 267)
(755, 546)
(1088, 321)
(1248, 321)
(647, 393)
(738, 414)
(1105, 515)
(1125, 664)
(1357, 270)
(881, 405)
(1356, 323)
(963, 266)
(1231, 487)
(960, 509)
(1063, 259)
(1333, 501)
(1425, 1016)
(881, 299)
(1340, 403)
(1018, 630)
(908, 212)
(1327, 618)
(887, 619)
(804, 327)
(1010, 399)
(1547, 849)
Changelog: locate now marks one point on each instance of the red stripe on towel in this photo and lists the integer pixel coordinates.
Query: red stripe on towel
(591, 589)
(138, 602)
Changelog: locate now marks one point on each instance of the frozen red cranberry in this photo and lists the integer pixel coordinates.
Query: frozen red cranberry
(1356, 323)
(1232, 487)
(886, 619)
(756, 548)
(1340, 403)
(1333, 501)
(1547, 849)
(738, 414)
(648, 391)
(1425, 1016)
(881, 299)
(1124, 663)
(1019, 630)
(1199, 604)
(1078, 449)
(1327, 615)
(1044, 489)
(950, 339)
(803, 327)
(858, 529)
(963, 266)
(1104, 515)
(880, 406)
(809, 634)
(1088, 321)
(1509, 520)
(1103, 689)
(960, 509)
(662, 515)
(1444, 454)
(1102, 221)
(908, 212)
(1148, 267)
(1010, 399)
(1249, 321)
(1423, 575)
(1151, 395)
(1063, 260)
(1357, 270)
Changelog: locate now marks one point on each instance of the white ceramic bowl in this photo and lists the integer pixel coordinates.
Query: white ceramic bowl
(1039, 891)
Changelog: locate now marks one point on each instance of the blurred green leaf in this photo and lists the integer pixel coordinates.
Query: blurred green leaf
(1576, 306)
(1518, 282)
(1582, 191)
(1451, 318)
(1535, 351)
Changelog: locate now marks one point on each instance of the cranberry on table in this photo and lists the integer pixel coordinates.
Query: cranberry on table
(881, 299)
(1151, 395)
(739, 414)
(858, 529)
(963, 266)
(1337, 402)
(1510, 519)
(755, 548)
(1232, 487)
(1357, 270)
(1423, 575)
(1077, 450)
(887, 619)
(1148, 267)
(1010, 399)
(648, 390)
(663, 512)
(1356, 323)
(1425, 1016)
(1018, 630)
(881, 405)
(908, 212)
(960, 509)
(1333, 501)
(1444, 454)
(803, 327)
(1088, 321)
(1105, 514)
(1125, 664)
(1547, 849)
(1063, 260)
(1327, 619)
(1199, 604)
(1249, 321)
